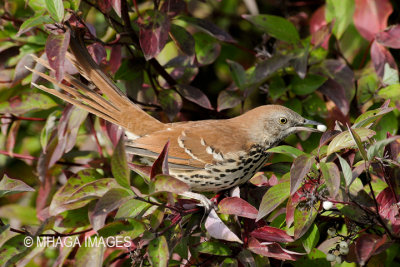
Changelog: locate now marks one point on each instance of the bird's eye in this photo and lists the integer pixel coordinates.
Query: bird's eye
(282, 120)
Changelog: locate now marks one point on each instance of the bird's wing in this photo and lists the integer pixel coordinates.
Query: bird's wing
(192, 145)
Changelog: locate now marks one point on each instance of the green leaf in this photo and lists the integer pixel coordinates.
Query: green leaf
(346, 170)
(287, 150)
(214, 248)
(307, 85)
(341, 12)
(126, 228)
(119, 165)
(207, 48)
(304, 216)
(314, 105)
(11, 248)
(345, 140)
(25, 215)
(391, 92)
(277, 87)
(90, 255)
(390, 76)
(311, 238)
(277, 27)
(367, 118)
(27, 102)
(132, 209)
(275, 196)
(183, 39)
(378, 146)
(56, 9)
(37, 20)
(238, 74)
(10, 186)
(158, 252)
(357, 141)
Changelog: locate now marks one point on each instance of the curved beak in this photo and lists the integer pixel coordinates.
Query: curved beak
(320, 127)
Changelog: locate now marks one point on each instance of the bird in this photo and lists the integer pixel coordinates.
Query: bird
(208, 155)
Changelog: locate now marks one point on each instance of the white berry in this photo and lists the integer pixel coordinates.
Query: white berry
(327, 205)
(330, 257)
(322, 128)
(344, 251)
(338, 259)
(343, 244)
(331, 231)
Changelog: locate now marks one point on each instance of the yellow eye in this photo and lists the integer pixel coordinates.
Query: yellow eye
(282, 120)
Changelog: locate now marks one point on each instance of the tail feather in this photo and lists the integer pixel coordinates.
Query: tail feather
(114, 107)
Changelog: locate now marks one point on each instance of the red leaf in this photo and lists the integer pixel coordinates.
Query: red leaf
(319, 28)
(273, 250)
(271, 234)
(115, 58)
(139, 169)
(370, 16)
(237, 206)
(301, 166)
(153, 34)
(104, 5)
(389, 37)
(173, 7)
(366, 246)
(380, 55)
(114, 132)
(194, 95)
(56, 48)
(98, 52)
(160, 165)
(388, 209)
(20, 70)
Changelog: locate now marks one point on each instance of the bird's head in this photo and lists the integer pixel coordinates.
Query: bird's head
(273, 123)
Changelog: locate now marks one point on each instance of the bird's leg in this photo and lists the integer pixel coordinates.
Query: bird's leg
(204, 201)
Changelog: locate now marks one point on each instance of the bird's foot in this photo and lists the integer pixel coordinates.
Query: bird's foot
(204, 201)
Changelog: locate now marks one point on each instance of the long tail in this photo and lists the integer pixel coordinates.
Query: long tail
(116, 107)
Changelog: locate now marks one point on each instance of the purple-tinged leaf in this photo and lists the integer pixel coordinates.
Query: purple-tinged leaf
(370, 17)
(116, 4)
(304, 216)
(228, 99)
(369, 118)
(39, 68)
(392, 149)
(158, 252)
(269, 66)
(12, 136)
(173, 7)
(110, 201)
(380, 56)
(217, 229)
(320, 30)
(366, 245)
(90, 255)
(24, 103)
(390, 37)
(167, 183)
(271, 234)
(183, 39)
(10, 186)
(300, 168)
(160, 165)
(104, 5)
(171, 103)
(153, 34)
(194, 95)
(115, 58)
(327, 136)
(209, 28)
(331, 174)
(275, 196)
(98, 52)
(21, 71)
(237, 206)
(388, 208)
(143, 171)
(119, 165)
(344, 139)
(56, 48)
(114, 132)
(56, 9)
(272, 250)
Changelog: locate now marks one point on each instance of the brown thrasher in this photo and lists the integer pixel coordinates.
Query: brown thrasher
(209, 155)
